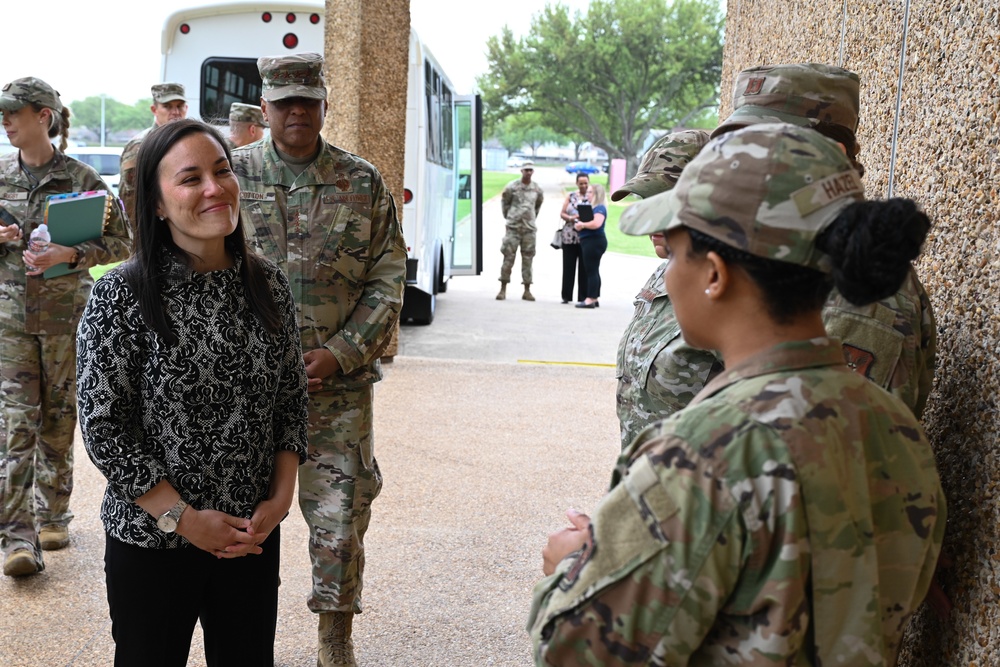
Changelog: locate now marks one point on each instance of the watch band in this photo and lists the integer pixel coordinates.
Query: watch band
(169, 519)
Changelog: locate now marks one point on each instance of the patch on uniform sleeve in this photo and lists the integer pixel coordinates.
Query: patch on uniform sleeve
(589, 549)
(347, 198)
(15, 196)
(858, 360)
(256, 196)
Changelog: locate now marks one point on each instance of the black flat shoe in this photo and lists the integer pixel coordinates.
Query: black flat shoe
(586, 305)
(565, 301)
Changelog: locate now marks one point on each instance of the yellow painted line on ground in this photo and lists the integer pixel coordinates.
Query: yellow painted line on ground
(563, 363)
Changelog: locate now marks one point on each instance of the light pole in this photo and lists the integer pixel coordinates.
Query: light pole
(102, 118)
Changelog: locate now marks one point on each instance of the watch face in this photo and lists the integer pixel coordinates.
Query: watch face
(167, 523)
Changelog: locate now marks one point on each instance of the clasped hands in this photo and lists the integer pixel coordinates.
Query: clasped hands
(227, 536)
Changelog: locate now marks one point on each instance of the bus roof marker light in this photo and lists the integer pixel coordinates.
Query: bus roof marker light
(266, 17)
(185, 28)
(407, 195)
(291, 40)
(314, 18)
(290, 17)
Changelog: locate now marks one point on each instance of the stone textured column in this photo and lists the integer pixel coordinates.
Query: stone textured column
(367, 55)
(929, 80)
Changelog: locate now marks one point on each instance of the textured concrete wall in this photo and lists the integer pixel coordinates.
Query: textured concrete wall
(938, 147)
(367, 55)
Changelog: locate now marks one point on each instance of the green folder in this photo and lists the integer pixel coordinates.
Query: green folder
(76, 217)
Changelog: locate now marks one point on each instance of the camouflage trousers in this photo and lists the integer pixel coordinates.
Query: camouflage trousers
(514, 237)
(38, 390)
(337, 485)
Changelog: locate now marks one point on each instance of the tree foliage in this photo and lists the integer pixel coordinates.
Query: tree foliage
(514, 132)
(611, 75)
(117, 116)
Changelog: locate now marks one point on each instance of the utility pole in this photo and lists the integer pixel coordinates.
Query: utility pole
(102, 118)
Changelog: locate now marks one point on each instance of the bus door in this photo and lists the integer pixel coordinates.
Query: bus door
(467, 235)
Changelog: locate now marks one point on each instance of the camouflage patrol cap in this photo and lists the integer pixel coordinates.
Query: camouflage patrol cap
(802, 94)
(246, 113)
(767, 189)
(298, 75)
(167, 92)
(29, 90)
(662, 164)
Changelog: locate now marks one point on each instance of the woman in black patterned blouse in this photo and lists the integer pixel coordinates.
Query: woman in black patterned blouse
(192, 398)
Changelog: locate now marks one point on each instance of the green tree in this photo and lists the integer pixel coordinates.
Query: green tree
(523, 129)
(117, 116)
(514, 132)
(611, 75)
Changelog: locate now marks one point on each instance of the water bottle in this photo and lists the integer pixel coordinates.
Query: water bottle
(38, 242)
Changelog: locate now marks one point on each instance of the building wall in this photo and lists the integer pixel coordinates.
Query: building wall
(367, 46)
(929, 106)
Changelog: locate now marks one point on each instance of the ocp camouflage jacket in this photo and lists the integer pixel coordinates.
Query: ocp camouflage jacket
(333, 230)
(37, 305)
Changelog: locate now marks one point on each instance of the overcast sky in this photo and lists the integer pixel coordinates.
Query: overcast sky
(113, 46)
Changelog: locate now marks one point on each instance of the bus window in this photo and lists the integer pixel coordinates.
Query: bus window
(447, 137)
(432, 136)
(227, 80)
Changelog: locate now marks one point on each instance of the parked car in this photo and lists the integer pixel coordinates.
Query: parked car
(515, 161)
(581, 168)
(105, 159)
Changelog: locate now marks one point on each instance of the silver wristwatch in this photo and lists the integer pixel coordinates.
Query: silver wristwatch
(168, 520)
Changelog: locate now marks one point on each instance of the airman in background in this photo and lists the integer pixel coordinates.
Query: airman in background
(326, 218)
(169, 104)
(658, 372)
(892, 342)
(246, 124)
(520, 202)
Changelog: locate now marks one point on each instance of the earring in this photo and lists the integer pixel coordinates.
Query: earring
(708, 291)
(160, 218)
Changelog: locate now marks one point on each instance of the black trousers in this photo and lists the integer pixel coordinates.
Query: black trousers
(156, 596)
(593, 248)
(573, 264)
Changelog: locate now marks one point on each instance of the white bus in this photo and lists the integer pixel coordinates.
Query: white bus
(213, 49)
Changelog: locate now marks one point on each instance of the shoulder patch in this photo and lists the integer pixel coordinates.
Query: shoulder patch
(858, 360)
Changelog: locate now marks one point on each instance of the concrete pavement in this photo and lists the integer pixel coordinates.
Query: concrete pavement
(481, 455)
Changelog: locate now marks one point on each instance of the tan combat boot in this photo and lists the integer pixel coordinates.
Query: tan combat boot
(336, 649)
(53, 537)
(527, 293)
(502, 294)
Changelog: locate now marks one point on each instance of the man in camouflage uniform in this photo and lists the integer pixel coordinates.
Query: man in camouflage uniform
(38, 319)
(326, 218)
(792, 513)
(520, 202)
(246, 124)
(658, 372)
(892, 342)
(169, 104)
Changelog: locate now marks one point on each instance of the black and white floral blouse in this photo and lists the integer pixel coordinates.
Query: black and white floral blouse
(207, 414)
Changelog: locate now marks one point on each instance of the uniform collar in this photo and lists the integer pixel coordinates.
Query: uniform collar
(321, 172)
(790, 356)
